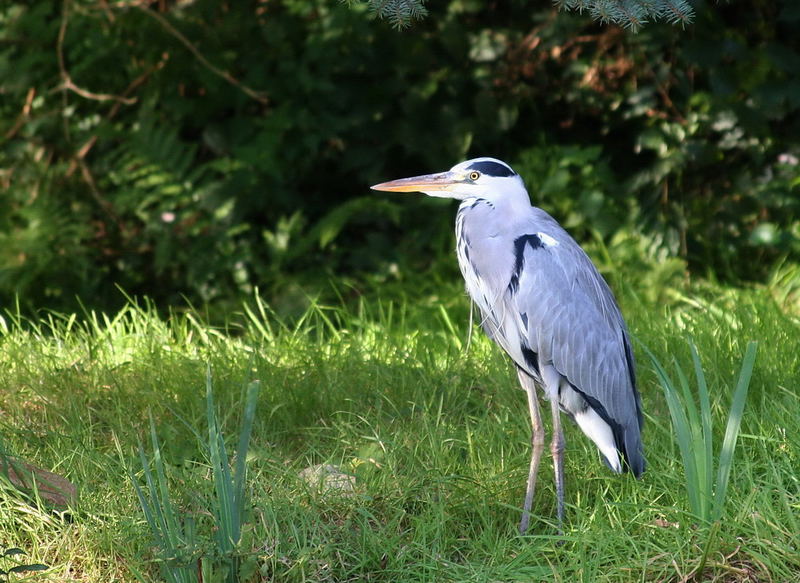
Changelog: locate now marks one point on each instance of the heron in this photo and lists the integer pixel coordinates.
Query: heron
(542, 300)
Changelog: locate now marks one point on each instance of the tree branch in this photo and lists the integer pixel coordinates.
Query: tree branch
(252, 93)
(81, 154)
(66, 81)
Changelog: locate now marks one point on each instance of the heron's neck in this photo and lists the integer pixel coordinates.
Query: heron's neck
(505, 210)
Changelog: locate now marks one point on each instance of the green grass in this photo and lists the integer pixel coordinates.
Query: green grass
(436, 437)
(695, 436)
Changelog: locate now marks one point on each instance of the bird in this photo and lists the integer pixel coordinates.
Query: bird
(543, 301)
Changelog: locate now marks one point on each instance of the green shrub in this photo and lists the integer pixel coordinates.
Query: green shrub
(202, 149)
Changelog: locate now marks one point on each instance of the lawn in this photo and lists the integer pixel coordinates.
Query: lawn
(428, 428)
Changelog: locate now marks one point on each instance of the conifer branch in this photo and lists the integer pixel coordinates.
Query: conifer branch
(632, 14)
(400, 13)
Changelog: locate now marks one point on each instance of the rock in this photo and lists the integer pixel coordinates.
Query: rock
(328, 478)
(52, 488)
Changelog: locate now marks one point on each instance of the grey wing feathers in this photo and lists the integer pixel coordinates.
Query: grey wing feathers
(574, 323)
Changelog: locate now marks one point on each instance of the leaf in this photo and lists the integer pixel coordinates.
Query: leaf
(329, 226)
(693, 431)
(707, 439)
(52, 488)
(732, 428)
(25, 568)
(680, 423)
(251, 400)
(13, 552)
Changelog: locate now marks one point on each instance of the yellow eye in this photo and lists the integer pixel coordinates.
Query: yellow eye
(474, 175)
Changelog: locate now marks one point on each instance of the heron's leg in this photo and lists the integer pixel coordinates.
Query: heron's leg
(537, 446)
(557, 449)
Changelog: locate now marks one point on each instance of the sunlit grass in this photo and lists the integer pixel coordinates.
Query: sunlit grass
(185, 555)
(435, 434)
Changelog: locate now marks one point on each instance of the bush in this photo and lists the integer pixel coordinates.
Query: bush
(200, 149)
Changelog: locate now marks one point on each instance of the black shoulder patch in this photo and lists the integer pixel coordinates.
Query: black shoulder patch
(492, 168)
(519, 257)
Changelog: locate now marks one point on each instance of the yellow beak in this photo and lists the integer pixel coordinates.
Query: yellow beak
(426, 183)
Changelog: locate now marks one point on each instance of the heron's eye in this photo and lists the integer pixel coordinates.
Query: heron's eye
(474, 175)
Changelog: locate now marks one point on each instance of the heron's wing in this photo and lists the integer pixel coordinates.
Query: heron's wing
(572, 322)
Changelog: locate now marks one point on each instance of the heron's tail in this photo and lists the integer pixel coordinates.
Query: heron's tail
(632, 450)
(620, 445)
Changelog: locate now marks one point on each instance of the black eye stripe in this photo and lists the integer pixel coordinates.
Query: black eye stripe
(490, 168)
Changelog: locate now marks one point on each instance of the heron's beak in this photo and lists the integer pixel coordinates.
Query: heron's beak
(426, 183)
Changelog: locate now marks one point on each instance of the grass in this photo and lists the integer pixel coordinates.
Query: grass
(183, 557)
(695, 436)
(436, 437)
(694, 433)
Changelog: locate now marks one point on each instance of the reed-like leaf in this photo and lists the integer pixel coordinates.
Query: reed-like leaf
(694, 432)
(683, 434)
(706, 479)
(166, 527)
(240, 476)
(694, 479)
(226, 533)
(732, 428)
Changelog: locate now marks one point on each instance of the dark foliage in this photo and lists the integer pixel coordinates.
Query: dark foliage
(201, 149)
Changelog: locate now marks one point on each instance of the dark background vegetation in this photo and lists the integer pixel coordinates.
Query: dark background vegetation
(200, 149)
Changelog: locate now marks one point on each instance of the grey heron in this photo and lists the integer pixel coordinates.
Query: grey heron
(543, 301)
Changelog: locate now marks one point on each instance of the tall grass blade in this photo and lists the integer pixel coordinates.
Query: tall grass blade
(732, 429)
(165, 527)
(450, 327)
(706, 442)
(173, 533)
(698, 501)
(261, 320)
(227, 531)
(231, 503)
(683, 434)
(240, 483)
(693, 431)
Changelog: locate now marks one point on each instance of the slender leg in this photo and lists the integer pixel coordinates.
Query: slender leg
(537, 446)
(557, 449)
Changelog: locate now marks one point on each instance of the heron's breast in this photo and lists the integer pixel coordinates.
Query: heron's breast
(484, 248)
(486, 258)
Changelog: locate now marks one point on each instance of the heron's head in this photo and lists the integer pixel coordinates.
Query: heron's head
(485, 178)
